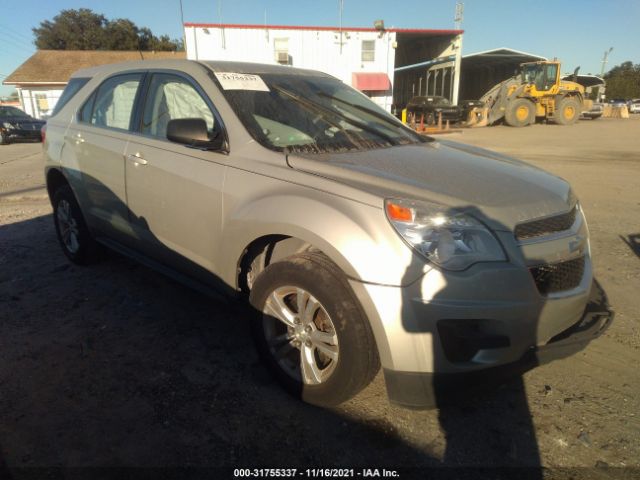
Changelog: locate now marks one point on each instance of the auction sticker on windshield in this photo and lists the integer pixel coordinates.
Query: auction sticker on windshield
(241, 81)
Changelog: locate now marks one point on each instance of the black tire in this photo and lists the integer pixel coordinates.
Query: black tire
(567, 111)
(357, 361)
(84, 250)
(520, 113)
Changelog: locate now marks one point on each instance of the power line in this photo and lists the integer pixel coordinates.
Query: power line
(16, 43)
(25, 37)
(15, 39)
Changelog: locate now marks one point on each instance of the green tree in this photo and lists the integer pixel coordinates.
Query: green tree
(72, 30)
(83, 29)
(623, 81)
(121, 34)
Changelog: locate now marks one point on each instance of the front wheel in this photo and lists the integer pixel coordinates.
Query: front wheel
(311, 331)
(520, 113)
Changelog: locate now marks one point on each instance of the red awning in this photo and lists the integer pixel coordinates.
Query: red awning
(370, 81)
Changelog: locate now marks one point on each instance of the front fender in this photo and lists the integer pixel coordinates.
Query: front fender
(355, 236)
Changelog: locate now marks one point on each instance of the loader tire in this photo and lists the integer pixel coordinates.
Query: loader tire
(520, 113)
(567, 111)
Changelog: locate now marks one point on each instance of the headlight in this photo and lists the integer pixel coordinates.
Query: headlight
(7, 125)
(449, 239)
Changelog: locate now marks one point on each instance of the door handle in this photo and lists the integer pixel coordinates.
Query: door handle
(77, 138)
(137, 158)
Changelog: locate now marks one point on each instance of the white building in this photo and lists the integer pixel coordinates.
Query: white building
(390, 65)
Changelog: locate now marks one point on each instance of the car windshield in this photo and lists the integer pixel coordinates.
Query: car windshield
(12, 112)
(311, 114)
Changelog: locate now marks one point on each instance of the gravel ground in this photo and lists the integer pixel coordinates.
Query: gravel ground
(116, 365)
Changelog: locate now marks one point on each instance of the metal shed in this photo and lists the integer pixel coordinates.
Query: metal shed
(481, 71)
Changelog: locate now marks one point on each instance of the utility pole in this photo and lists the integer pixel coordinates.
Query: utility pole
(604, 60)
(340, 8)
(184, 35)
(601, 88)
(222, 36)
(459, 15)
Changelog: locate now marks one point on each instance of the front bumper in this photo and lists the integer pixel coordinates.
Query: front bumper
(422, 390)
(13, 134)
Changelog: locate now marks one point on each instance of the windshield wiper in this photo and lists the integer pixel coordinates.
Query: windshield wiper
(328, 111)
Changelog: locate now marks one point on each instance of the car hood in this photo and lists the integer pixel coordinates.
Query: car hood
(499, 190)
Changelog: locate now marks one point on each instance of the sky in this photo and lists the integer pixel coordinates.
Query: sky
(577, 32)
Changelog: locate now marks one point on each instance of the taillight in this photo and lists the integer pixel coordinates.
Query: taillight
(43, 132)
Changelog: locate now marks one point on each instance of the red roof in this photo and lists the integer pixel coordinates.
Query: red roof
(333, 29)
(371, 82)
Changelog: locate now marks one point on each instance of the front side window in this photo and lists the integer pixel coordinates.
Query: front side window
(112, 104)
(552, 73)
(368, 50)
(172, 97)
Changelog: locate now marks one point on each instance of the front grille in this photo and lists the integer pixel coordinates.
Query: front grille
(558, 277)
(546, 226)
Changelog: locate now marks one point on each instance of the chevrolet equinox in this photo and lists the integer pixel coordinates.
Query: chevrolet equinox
(358, 242)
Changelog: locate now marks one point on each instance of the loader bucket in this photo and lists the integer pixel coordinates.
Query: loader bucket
(477, 117)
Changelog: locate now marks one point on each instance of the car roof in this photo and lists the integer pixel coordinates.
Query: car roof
(181, 64)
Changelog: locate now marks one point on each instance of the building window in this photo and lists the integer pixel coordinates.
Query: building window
(42, 103)
(281, 47)
(368, 50)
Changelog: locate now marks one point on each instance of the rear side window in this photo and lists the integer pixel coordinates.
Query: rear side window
(74, 85)
(112, 105)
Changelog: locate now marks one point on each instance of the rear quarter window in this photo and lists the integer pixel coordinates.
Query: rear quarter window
(74, 85)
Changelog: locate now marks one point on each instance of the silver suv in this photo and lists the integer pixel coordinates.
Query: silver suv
(358, 242)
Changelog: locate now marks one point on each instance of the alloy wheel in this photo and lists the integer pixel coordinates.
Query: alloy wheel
(68, 226)
(300, 335)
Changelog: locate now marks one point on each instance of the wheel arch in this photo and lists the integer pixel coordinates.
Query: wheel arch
(268, 248)
(55, 179)
(263, 251)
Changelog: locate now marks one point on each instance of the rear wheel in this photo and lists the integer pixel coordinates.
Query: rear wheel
(520, 113)
(311, 331)
(71, 229)
(567, 111)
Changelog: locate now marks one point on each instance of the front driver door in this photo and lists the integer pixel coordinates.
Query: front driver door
(174, 192)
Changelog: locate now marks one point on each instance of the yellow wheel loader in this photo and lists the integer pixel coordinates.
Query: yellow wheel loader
(535, 93)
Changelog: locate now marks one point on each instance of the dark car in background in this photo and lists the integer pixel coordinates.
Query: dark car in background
(428, 109)
(618, 102)
(17, 125)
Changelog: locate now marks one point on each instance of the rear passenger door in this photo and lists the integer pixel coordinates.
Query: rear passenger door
(98, 142)
(175, 192)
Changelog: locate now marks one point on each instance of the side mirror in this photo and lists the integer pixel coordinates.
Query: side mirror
(192, 132)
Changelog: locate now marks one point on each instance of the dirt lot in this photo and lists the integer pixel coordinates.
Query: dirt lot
(115, 365)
